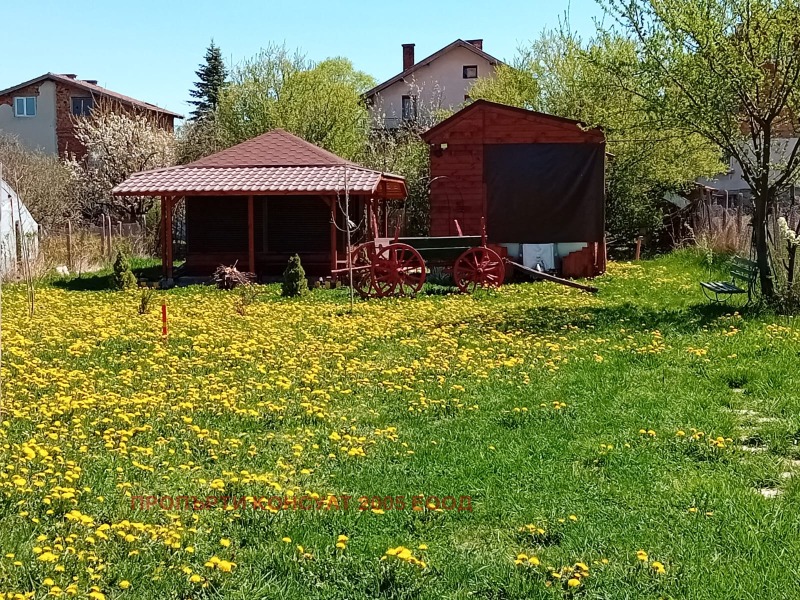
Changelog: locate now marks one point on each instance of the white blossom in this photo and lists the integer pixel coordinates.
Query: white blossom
(787, 233)
(119, 143)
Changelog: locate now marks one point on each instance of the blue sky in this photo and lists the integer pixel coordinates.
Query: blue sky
(150, 49)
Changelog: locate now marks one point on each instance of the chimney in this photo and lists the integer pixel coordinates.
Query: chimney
(70, 75)
(477, 43)
(91, 81)
(408, 56)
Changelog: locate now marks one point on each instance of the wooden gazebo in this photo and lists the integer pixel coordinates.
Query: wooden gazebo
(263, 200)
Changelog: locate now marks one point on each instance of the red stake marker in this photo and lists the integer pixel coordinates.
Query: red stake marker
(164, 318)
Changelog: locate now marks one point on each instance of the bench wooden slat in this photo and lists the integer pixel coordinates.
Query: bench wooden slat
(744, 263)
(722, 287)
(743, 274)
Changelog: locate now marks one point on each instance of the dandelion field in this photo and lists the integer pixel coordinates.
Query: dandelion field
(635, 444)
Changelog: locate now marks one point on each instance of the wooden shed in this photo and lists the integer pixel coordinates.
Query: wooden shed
(263, 200)
(536, 179)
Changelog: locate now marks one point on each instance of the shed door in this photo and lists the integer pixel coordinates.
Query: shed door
(298, 224)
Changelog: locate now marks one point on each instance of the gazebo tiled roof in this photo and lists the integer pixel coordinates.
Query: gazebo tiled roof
(274, 163)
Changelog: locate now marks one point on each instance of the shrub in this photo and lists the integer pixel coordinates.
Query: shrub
(44, 183)
(145, 302)
(294, 279)
(246, 296)
(123, 278)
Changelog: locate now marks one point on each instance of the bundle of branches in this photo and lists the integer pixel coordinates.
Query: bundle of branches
(227, 278)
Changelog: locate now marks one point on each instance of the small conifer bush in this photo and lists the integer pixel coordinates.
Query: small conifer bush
(123, 278)
(294, 279)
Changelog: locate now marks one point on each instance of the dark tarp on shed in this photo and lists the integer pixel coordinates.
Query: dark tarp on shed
(545, 193)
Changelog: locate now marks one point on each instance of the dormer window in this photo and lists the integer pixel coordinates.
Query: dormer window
(470, 71)
(25, 106)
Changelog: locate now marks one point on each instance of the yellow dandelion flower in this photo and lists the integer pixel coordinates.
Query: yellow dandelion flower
(658, 567)
(47, 557)
(226, 566)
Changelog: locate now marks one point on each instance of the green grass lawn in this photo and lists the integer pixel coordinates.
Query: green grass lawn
(640, 443)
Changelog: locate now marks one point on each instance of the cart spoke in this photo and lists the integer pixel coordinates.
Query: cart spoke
(478, 267)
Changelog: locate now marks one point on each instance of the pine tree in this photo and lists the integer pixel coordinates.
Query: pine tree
(212, 75)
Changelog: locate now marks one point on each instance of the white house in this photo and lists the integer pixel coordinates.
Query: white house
(732, 181)
(440, 81)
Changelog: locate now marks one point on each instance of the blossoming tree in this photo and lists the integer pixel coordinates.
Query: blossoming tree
(118, 143)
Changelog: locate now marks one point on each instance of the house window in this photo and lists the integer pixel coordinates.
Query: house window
(25, 106)
(470, 71)
(409, 108)
(82, 106)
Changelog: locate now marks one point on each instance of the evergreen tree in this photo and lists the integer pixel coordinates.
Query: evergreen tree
(212, 75)
(122, 278)
(294, 279)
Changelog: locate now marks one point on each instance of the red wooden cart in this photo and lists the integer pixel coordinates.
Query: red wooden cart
(398, 266)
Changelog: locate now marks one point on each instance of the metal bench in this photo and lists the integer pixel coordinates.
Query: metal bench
(744, 274)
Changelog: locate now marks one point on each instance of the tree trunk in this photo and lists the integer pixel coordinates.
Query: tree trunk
(762, 249)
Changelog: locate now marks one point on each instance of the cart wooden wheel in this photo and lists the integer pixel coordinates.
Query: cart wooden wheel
(398, 270)
(478, 267)
(362, 261)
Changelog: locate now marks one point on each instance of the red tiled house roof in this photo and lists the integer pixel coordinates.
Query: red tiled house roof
(93, 89)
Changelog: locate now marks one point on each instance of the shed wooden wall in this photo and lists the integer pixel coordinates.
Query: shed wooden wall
(460, 191)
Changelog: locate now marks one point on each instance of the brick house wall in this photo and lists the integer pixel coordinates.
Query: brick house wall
(68, 143)
(28, 90)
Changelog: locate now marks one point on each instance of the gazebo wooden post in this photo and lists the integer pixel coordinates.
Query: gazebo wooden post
(163, 230)
(251, 244)
(168, 237)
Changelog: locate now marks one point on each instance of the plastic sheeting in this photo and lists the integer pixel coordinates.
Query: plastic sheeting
(15, 219)
(545, 193)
